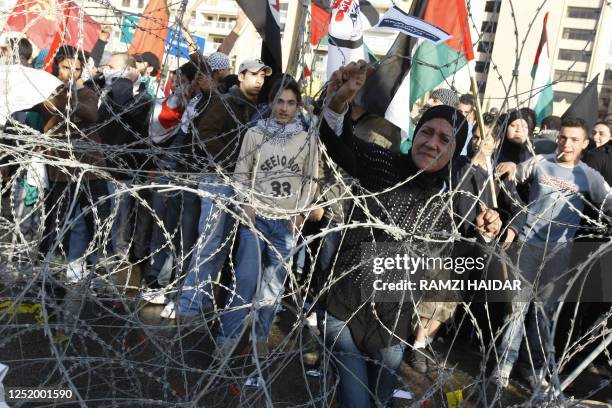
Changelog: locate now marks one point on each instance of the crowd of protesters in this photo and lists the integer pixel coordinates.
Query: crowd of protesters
(220, 183)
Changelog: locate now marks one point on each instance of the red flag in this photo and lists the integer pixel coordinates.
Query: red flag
(48, 66)
(41, 27)
(91, 29)
(150, 35)
(451, 16)
(319, 23)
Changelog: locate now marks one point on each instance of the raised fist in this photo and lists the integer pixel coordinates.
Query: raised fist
(345, 83)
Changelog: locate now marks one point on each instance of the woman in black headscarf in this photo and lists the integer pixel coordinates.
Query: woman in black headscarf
(405, 193)
(514, 129)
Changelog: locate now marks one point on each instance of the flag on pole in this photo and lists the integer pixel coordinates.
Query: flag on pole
(346, 33)
(432, 64)
(542, 84)
(265, 16)
(319, 22)
(152, 30)
(41, 22)
(586, 105)
(394, 104)
(390, 83)
(397, 83)
(69, 33)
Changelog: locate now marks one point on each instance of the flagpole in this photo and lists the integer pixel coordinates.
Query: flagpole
(483, 135)
(531, 92)
(292, 37)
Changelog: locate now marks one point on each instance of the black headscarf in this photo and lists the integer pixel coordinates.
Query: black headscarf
(510, 151)
(453, 117)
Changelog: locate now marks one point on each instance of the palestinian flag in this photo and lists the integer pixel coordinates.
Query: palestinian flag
(398, 83)
(265, 16)
(345, 33)
(319, 21)
(432, 64)
(542, 85)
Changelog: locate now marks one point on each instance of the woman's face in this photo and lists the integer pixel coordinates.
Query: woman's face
(517, 131)
(434, 145)
(601, 134)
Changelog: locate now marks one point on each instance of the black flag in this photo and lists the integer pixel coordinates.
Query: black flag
(586, 105)
(381, 86)
(265, 16)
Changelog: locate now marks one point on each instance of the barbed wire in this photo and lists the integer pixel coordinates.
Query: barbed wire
(99, 337)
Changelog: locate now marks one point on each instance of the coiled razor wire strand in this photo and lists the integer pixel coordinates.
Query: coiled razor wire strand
(111, 348)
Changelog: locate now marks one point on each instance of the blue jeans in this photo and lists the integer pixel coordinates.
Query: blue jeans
(329, 249)
(253, 254)
(211, 250)
(534, 267)
(90, 197)
(361, 381)
(79, 237)
(123, 223)
(182, 208)
(131, 229)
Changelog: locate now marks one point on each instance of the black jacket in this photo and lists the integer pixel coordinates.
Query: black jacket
(601, 160)
(414, 207)
(471, 182)
(219, 130)
(123, 119)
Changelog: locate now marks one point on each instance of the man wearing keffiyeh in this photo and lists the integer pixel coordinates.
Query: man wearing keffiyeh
(276, 172)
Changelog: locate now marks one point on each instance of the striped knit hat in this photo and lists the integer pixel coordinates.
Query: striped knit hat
(446, 96)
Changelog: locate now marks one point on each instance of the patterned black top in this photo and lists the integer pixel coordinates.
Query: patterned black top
(416, 205)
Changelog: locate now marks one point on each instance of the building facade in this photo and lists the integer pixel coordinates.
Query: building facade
(579, 40)
(505, 35)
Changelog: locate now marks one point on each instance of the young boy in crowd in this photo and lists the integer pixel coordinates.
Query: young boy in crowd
(216, 139)
(276, 172)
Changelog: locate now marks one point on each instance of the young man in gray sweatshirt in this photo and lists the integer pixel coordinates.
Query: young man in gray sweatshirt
(561, 185)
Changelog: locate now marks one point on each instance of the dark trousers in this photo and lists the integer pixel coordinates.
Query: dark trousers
(179, 211)
(60, 203)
